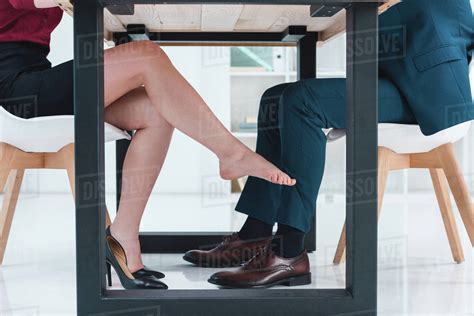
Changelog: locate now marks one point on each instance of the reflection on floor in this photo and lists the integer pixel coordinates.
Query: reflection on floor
(416, 272)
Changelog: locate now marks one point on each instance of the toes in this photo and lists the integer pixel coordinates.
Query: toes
(277, 179)
(282, 178)
(273, 178)
(285, 178)
(289, 181)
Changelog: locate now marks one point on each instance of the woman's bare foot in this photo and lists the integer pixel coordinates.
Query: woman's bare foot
(249, 163)
(131, 245)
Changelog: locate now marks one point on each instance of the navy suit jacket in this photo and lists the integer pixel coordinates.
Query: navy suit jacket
(425, 50)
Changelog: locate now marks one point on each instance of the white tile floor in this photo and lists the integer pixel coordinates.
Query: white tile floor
(416, 273)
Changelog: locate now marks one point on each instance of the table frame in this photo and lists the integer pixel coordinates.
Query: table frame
(360, 294)
(305, 42)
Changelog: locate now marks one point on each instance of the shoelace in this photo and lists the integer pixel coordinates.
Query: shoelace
(260, 259)
(228, 238)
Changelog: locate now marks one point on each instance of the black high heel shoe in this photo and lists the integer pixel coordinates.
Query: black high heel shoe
(137, 274)
(148, 272)
(116, 257)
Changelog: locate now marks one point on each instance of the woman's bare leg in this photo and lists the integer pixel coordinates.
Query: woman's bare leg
(142, 165)
(130, 66)
(144, 92)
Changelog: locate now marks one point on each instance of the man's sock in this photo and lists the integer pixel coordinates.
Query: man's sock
(288, 241)
(254, 228)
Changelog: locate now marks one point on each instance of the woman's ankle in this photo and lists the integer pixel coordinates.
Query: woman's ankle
(123, 233)
(234, 153)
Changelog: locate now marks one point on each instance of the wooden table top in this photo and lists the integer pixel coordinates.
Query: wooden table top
(225, 18)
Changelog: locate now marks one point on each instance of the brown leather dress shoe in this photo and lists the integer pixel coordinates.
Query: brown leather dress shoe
(232, 252)
(266, 270)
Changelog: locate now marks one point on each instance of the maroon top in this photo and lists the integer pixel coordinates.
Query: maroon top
(21, 21)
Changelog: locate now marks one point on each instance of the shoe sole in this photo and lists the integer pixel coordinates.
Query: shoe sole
(304, 279)
(203, 264)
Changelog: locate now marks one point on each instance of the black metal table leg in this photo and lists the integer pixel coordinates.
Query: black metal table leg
(307, 56)
(361, 126)
(178, 242)
(89, 153)
(121, 146)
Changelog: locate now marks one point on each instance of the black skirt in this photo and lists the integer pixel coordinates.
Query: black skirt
(29, 86)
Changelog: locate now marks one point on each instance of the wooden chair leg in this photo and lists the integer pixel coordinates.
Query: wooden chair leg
(6, 156)
(341, 247)
(9, 204)
(68, 158)
(3, 178)
(384, 155)
(459, 189)
(442, 194)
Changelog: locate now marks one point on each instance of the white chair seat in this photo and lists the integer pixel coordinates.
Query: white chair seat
(45, 134)
(408, 139)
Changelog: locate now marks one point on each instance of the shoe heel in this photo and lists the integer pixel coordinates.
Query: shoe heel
(299, 280)
(109, 274)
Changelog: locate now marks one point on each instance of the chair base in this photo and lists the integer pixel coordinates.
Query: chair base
(444, 169)
(13, 163)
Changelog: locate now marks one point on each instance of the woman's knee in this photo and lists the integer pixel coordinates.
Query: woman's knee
(149, 49)
(142, 54)
(151, 55)
(134, 62)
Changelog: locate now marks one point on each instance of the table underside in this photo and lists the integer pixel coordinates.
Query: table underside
(226, 18)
